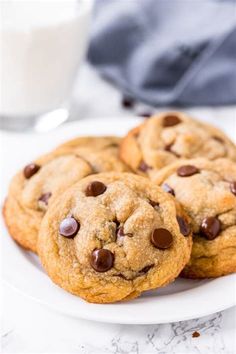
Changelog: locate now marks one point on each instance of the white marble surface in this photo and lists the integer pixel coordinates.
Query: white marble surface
(30, 328)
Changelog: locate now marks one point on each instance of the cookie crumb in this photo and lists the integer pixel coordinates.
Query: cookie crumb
(195, 334)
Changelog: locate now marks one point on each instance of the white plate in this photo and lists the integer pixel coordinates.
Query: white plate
(182, 300)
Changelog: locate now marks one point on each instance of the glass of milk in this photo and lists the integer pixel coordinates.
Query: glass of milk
(42, 43)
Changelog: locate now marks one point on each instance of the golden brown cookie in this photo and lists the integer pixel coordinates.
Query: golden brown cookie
(166, 137)
(112, 236)
(207, 191)
(100, 152)
(33, 189)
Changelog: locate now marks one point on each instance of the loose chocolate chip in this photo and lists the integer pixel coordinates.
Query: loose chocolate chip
(195, 334)
(127, 102)
(210, 228)
(69, 227)
(143, 166)
(168, 189)
(233, 187)
(183, 226)
(171, 120)
(187, 171)
(45, 197)
(95, 188)
(161, 238)
(154, 204)
(30, 170)
(102, 260)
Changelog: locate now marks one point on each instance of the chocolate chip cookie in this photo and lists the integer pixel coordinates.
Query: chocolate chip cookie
(207, 191)
(100, 152)
(111, 236)
(33, 189)
(165, 138)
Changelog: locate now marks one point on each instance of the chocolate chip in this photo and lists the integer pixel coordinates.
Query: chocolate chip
(95, 188)
(30, 170)
(45, 197)
(69, 227)
(168, 189)
(171, 120)
(233, 187)
(187, 171)
(184, 227)
(154, 204)
(195, 334)
(127, 102)
(210, 227)
(102, 260)
(161, 238)
(143, 166)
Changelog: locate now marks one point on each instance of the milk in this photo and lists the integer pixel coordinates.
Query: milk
(41, 45)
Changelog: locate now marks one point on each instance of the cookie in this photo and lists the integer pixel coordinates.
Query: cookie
(33, 188)
(112, 236)
(207, 191)
(100, 152)
(167, 137)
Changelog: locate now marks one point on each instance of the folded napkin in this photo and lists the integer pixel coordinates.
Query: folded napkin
(179, 52)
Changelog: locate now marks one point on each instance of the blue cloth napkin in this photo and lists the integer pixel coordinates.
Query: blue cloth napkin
(179, 52)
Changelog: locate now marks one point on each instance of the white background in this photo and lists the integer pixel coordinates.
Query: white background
(30, 328)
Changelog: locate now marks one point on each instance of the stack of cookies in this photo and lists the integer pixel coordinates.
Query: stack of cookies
(111, 218)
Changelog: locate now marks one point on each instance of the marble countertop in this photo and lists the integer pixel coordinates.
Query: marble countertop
(32, 328)
(28, 327)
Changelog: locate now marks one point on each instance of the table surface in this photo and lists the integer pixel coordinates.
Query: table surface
(28, 327)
